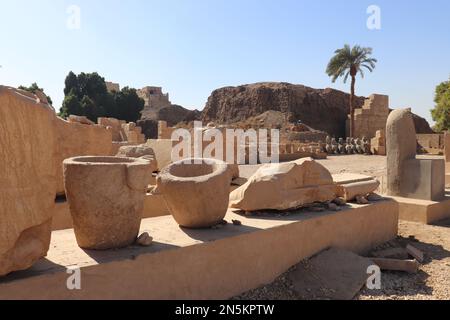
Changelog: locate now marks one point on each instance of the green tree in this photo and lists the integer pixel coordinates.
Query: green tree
(86, 94)
(441, 111)
(129, 104)
(347, 62)
(33, 88)
(71, 105)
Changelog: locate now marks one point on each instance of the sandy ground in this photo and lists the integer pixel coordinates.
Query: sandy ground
(433, 279)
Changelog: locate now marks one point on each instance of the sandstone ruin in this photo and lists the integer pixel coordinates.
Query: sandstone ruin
(371, 117)
(285, 186)
(28, 180)
(407, 176)
(106, 199)
(182, 182)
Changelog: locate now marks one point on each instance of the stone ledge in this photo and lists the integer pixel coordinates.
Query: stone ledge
(423, 211)
(201, 264)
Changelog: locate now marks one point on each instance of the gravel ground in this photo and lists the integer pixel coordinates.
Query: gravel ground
(431, 282)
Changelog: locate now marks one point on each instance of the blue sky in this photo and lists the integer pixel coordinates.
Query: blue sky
(191, 47)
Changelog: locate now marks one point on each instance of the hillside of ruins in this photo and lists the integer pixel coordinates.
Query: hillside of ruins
(202, 155)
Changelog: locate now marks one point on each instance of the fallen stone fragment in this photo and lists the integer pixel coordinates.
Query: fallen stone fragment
(144, 240)
(411, 266)
(363, 188)
(285, 186)
(340, 201)
(361, 200)
(237, 222)
(332, 274)
(373, 197)
(416, 253)
(392, 253)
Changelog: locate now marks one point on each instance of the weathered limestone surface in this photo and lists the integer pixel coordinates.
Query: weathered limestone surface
(140, 151)
(285, 186)
(407, 176)
(27, 178)
(360, 188)
(196, 194)
(163, 151)
(371, 117)
(77, 139)
(106, 199)
(378, 143)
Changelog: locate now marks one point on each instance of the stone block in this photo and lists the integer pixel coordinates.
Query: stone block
(423, 179)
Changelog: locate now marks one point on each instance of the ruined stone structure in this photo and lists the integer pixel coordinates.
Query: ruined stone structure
(122, 133)
(111, 86)
(407, 176)
(431, 143)
(196, 194)
(378, 143)
(164, 132)
(27, 178)
(106, 199)
(285, 186)
(371, 117)
(154, 99)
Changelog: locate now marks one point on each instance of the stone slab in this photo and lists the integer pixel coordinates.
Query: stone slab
(424, 211)
(423, 179)
(202, 264)
(346, 178)
(334, 274)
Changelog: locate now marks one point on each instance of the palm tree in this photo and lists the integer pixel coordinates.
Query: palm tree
(349, 62)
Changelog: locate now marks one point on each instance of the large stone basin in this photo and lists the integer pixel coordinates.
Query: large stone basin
(106, 199)
(196, 194)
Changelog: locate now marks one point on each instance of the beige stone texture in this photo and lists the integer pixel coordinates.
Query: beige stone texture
(407, 176)
(378, 143)
(196, 194)
(122, 131)
(164, 132)
(139, 151)
(423, 211)
(361, 188)
(285, 186)
(371, 117)
(77, 139)
(431, 143)
(79, 119)
(163, 151)
(203, 264)
(106, 199)
(27, 178)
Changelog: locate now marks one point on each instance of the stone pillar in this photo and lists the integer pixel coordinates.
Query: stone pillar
(400, 146)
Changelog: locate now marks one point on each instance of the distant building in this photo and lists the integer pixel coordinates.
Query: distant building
(111, 86)
(154, 99)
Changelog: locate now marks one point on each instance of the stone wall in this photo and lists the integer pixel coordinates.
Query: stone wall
(122, 131)
(164, 132)
(431, 143)
(371, 117)
(77, 139)
(27, 178)
(154, 99)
